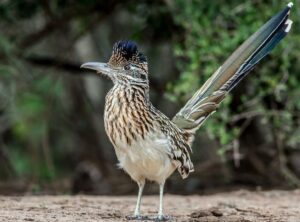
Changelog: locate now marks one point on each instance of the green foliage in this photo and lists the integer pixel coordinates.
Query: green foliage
(43, 121)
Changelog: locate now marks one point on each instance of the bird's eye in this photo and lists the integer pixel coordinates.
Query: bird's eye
(143, 77)
(127, 67)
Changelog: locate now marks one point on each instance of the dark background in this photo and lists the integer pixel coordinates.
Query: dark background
(52, 137)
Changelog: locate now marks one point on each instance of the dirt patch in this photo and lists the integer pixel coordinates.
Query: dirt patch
(239, 206)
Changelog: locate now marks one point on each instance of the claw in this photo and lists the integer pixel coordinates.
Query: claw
(160, 218)
(137, 217)
(134, 217)
(148, 218)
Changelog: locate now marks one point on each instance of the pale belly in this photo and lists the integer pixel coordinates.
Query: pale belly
(146, 159)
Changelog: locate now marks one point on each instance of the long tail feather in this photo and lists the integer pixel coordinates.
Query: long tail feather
(236, 67)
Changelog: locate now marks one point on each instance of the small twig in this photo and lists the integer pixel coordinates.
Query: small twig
(237, 156)
(245, 115)
(72, 67)
(47, 153)
(254, 113)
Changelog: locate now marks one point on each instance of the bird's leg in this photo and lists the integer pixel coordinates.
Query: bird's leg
(160, 215)
(161, 194)
(137, 214)
(138, 202)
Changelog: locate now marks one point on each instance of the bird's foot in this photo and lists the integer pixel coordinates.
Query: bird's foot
(149, 218)
(137, 217)
(160, 218)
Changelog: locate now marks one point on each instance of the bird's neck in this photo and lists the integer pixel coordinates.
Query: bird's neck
(128, 95)
(127, 108)
(133, 92)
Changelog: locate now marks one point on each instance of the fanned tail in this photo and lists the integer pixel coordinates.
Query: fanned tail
(236, 67)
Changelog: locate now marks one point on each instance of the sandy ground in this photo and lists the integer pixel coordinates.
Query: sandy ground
(245, 206)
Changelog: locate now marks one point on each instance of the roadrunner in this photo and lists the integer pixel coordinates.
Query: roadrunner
(150, 146)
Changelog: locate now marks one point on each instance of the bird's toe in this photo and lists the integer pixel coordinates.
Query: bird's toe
(159, 218)
(136, 217)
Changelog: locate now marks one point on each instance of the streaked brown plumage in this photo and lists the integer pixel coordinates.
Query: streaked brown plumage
(149, 145)
(130, 116)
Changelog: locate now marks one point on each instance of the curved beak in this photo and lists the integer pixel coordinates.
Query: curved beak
(99, 67)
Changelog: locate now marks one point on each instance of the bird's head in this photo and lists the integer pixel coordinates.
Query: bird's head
(126, 65)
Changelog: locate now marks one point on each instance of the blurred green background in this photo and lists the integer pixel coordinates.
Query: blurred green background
(52, 137)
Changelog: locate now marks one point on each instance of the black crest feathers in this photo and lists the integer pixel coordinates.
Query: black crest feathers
(126, 51)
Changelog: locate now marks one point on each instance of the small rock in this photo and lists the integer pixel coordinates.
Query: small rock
(201, 213)
(216, 212)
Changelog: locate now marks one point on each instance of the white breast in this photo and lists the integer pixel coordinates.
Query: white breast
(146, 159)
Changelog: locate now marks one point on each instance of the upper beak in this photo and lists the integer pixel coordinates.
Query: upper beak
(98, 66)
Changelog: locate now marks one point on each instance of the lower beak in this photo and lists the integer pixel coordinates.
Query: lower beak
(102, 68)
